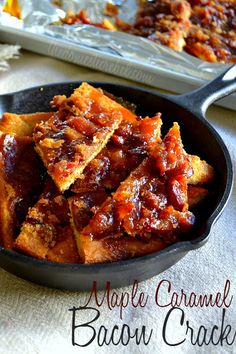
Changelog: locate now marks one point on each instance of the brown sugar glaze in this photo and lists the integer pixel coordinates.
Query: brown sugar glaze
(132, 198)
(21, 179)
(152, 200)
(46, 232)
(203, 28)
(125, 151)
(69, 140)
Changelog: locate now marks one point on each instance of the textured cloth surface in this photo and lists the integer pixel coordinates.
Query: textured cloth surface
(7, 52)
(34, 319)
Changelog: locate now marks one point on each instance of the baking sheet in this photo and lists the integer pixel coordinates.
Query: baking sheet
(113, 52)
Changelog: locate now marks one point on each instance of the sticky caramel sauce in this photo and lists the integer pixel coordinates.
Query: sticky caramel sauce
(152, 200)
(21, 179)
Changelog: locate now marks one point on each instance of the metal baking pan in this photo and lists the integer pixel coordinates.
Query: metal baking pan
(128, 68)
(113, 52)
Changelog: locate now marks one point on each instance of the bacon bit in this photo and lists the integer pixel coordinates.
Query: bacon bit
(111, 10)
(81, 17)
(13, 8)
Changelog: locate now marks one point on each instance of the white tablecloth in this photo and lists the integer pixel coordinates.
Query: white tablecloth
(34, 319)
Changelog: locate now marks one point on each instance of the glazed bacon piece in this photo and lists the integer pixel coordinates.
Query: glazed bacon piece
(22, 124)
(109, 249)
(83, 206)
(107, 170)
(205, 29)
(77, 132)
(203, 173)
(87, 94)
(46, 233)
(21, 171)
(164, 21)
(21, 180)
(113, 249)
(81, 17)
(128, 146)
(210, 46)
(196, 195)
(218, 16)
(13, 8)
(212, 36)
(152, 203)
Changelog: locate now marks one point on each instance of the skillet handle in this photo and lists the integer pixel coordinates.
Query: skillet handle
(200, 99)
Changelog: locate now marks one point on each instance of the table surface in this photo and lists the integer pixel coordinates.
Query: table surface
(34, 319)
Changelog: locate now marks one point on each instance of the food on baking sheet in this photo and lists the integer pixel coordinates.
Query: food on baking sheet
(69, 140)
(111, 9)
(205, 29)
(136, 194)
(81, 17)
(165, 22)
(210, 46)
(212, 35)
(13, 8)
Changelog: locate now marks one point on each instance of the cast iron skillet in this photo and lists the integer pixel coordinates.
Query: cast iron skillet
(199, 138)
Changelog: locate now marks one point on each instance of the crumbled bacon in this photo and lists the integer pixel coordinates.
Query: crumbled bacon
(203, 28)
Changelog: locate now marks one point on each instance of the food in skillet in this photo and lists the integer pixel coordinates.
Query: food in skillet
(21, 172)
(69, 140)
(93, 182)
